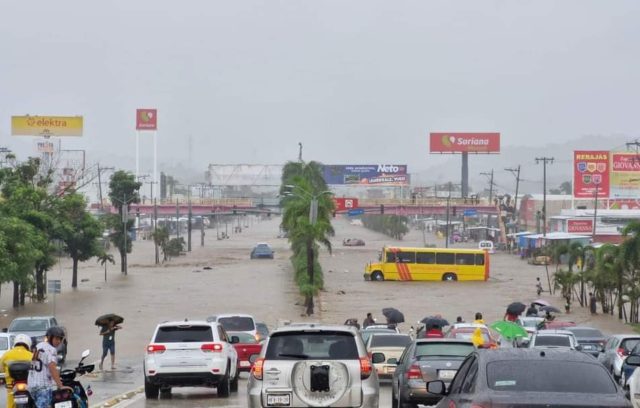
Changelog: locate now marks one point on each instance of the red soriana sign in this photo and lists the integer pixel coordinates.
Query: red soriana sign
(346, 204)
(464, 142)
(146, 119)
(580, 226)
(591, 169)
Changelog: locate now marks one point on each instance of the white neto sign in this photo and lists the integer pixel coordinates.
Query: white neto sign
(386, 168)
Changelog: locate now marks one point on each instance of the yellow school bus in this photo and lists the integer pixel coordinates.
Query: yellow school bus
(429, 264)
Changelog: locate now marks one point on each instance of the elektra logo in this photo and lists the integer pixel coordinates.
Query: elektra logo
(387, 168)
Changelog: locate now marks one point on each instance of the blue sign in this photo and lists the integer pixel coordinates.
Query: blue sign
(472, 212)
(356, 211)
(366, 174)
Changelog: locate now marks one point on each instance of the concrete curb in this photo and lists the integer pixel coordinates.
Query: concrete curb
(118, 399)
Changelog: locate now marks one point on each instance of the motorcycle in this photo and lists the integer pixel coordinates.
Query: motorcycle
(19, 371)
(73, 395)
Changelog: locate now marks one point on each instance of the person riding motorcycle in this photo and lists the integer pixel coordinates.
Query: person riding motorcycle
(19, 352)
(44, 375)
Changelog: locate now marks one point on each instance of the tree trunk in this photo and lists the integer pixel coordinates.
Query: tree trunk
(310, 271)
(40, 284)
(16, 294)
(122, 261)
(23, 294)
(74, 279)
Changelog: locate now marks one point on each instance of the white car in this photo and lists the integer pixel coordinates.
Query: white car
(236, 322)
(391, 345)
(616, 349)
(634, 381)
(187, 354)
(554, 339)
(5, 345)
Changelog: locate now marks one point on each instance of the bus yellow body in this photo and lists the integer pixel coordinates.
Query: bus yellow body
(429, 264)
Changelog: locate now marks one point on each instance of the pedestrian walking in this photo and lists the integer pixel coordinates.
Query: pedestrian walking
(368, 321)
(44, 376)
(108, 333)
(539, 289)
(19, 352)
(592, 303)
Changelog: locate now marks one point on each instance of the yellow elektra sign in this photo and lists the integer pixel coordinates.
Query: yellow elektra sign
(46, 125)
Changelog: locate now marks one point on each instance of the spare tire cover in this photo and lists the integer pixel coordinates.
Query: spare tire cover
(338, 383)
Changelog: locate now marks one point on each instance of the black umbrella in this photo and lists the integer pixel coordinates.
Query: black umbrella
(550, 309)
(393, 315)
(434, 321)
(105, 319)
(516, 308)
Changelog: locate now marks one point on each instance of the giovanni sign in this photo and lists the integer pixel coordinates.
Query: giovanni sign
(366, 174)
(464, 142)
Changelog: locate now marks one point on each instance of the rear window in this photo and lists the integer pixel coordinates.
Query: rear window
(237, 323)
(466, 335)
(184, 334)
(553, 341)
(549, 376)
(328, 345)
(28, 325)
(385, 340)
(426, 350)
(586, 332)
(244, 338)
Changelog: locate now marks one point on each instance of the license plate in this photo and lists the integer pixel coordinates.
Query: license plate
(278, 400)
(245, 364)
(391, 370)
(63, 404)
(446, 374)
(21, 400)
(588, 347)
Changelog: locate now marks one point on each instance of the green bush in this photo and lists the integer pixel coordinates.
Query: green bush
(394, 226)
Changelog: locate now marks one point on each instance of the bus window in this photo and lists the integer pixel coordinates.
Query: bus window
(426, 257)
(479, 259)
(465, 259)
(444, 258)
(407, 257)
(391, 257)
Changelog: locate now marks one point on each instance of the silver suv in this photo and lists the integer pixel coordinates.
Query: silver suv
(190, 353)
(313, 365)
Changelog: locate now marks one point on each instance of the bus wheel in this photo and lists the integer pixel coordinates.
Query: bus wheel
(449, 277)
(377, 276)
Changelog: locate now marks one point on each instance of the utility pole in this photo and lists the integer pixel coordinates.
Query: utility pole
(544, 161)
(155, 229)
(300, 152)
(446, 245)
(189, 221)
(595, 213)
(177, 219)
(100, 170)
(516, 173)
(490, 175)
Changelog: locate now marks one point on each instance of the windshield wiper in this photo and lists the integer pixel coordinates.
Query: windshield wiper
(302, 356)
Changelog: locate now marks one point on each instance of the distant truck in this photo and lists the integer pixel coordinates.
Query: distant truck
(36, 327)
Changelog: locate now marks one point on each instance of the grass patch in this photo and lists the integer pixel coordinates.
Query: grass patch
(635, 327)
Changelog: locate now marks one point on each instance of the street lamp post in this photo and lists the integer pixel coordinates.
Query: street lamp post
(595, 213)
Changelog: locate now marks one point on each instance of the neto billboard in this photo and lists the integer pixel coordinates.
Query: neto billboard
(464, 142)
(367, 174)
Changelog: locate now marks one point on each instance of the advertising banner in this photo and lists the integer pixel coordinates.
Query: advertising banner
(343, 204)
(464, 142)
(591, 168)
(580, 226)
(46, 125)
(625, 175)
(367, 174)
(146, 119)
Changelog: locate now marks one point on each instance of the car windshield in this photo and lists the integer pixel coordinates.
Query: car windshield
(237, 323)
(326, 345)
(426, 350)
(368, 333)
(184, 334)
(549, 376)
(245, 338)
(390, 340)
(28, 325)
(4, 343)
(553, 341)
(586, 332)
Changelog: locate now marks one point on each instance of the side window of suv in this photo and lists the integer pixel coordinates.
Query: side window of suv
(222, 334)
(458, 380)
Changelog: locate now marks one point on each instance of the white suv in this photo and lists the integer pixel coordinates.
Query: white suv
(190, 353)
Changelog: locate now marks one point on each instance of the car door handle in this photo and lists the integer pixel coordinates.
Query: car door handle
(273, 371)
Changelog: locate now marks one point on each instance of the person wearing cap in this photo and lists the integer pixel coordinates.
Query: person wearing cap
(44, 375)
(19, 352)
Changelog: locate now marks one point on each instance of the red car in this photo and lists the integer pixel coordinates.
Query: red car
(464, 331)
(247, 347)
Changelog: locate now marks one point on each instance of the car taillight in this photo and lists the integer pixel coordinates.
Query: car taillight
(621, 352)
(257, 368)
(414, 373)
(211, 347)
(20, 386)
(155, 348)
(365, 367)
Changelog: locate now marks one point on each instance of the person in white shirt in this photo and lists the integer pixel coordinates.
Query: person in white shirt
(44, 375)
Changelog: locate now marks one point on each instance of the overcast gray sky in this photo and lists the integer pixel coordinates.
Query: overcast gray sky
(354, 81)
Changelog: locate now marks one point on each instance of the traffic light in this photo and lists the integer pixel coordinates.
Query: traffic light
(381, 208)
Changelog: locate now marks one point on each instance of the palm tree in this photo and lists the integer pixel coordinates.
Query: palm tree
(577, 253)
(103, 257)
(630, 260)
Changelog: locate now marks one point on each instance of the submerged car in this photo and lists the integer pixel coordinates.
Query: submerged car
(262, 251)
(352, 242)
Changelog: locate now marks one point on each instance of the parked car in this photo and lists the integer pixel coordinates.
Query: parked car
(262, 331)
(547, 339)
(36, 327)
(464, 331)
(248, 348)
(390, 346)
(530, 323)
(262, 251)
(628, 369)
(425, 360)
(634, 380)
(236, 322)
(616, 349)
(530, 378)
(352, 242)
(190, 353)
(313, 365)
(5, 345)
(591, 340)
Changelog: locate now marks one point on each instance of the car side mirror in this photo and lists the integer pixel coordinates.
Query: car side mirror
(633, 360)
(436, 387)
(377, 358)
(4, 329)
(393, 361)
(253, 358)
(235, 339)
(579, 347)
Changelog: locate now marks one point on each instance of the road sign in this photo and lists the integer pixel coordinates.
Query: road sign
(53, 285)
(471, 212)
(356, 211)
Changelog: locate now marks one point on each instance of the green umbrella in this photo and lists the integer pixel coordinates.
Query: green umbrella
(508, 330)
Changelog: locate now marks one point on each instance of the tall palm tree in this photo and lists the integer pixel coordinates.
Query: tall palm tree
(630, 259)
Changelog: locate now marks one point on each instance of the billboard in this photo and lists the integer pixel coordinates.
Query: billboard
(625, 175)
(366, 174)
(464, 142)
(580, 226)
(344, 204)
(591, 169)
(146, 119)
(46, 125)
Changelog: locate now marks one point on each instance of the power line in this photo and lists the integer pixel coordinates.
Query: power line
(544, 161)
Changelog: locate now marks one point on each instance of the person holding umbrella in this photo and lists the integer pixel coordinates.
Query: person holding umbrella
(108, 326)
